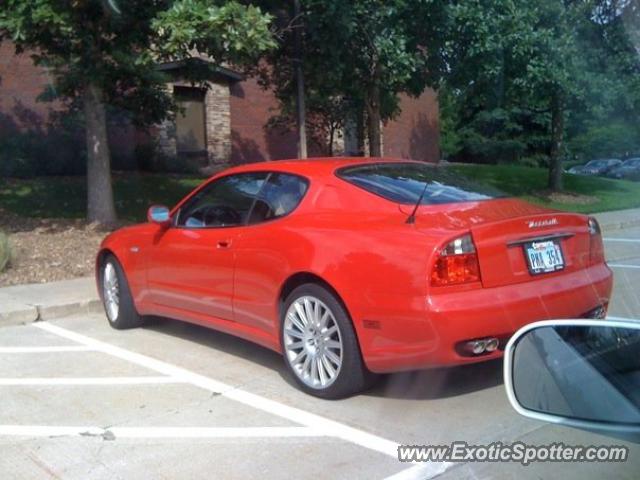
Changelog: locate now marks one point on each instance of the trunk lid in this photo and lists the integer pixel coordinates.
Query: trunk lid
(502, 229)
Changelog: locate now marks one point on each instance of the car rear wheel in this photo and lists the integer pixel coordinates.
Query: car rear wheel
(116, 296)
(320, 346)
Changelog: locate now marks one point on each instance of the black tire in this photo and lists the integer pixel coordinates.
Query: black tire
(353, 376)
(126, 315)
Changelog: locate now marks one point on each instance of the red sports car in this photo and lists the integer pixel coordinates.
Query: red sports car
(350, 267)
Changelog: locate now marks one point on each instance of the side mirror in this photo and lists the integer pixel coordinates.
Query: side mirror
(579, 373)
(158, 214)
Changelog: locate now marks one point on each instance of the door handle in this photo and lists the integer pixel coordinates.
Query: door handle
(224, 243)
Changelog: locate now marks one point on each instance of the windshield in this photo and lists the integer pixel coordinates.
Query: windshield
(406, 182)
(598, 163)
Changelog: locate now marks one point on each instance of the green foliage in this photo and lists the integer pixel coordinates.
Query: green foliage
(5, 251)
(64, 197)
(615, 140)
(27, 153)
(116, 45)
(509, 59)
(530, 184)
(54, 148)
(229, 31)
(357, 53)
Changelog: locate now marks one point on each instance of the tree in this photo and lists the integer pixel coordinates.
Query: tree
(523, 74)
(361, 53)
(325, 118)
(104, 52)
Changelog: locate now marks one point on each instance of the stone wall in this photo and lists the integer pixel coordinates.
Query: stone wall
(218, 123)
(165, 133)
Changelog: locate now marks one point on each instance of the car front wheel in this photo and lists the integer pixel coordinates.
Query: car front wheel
(116, 296)
(320, 346)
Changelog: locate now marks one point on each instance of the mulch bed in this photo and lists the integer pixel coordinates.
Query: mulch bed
(46, 250)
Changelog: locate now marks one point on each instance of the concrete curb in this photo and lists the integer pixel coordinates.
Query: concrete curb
(22, 314)
(619, 225)
(21, 304)
(47, 312)
(18, 314)
(619, 220)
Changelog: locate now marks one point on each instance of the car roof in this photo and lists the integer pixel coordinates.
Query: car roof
(312, 166)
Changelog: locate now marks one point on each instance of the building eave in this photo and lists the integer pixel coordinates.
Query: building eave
(210, 67)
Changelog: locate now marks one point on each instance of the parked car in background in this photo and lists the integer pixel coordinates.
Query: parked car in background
(595, 167)
(629, 169)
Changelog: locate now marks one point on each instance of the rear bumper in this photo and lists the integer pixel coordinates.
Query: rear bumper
(454, 317)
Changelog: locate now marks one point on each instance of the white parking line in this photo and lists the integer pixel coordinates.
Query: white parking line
(311, 424)
(89, 381)
(622, 265)
(296, 415)
(157, 432)
(421, 471)
(623, 240)
(71, 348)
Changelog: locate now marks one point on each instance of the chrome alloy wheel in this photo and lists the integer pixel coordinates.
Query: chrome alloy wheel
(312, 342)
(111, 291)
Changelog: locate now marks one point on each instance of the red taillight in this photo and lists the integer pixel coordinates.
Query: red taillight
(457, 263)
(596, 247)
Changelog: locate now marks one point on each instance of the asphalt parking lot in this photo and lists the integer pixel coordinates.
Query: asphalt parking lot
(79, 400)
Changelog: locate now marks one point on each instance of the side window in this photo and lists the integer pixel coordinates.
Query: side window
(280, 195)
(225, 202)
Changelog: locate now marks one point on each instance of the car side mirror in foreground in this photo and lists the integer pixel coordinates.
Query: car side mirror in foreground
(579, 373)
(158, 214)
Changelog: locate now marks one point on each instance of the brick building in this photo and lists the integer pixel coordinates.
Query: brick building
(225, 123)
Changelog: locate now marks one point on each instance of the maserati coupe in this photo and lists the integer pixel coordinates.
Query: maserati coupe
(351, 267)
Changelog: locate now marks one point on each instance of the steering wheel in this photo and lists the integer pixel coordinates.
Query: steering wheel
(217, 215)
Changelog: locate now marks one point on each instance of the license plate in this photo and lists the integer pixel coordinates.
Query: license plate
(544, 257)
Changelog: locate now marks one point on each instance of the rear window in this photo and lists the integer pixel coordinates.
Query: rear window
(405, 182)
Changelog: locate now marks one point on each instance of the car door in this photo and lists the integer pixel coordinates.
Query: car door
(191, 264)
(264, 249)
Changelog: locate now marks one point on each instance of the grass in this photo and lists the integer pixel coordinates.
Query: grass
(530, 184)
(66, 197)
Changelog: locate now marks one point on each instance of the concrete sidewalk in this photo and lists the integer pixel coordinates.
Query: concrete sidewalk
(28, 303)
(618, 219)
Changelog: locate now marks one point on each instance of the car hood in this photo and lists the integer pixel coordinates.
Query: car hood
(130, 231)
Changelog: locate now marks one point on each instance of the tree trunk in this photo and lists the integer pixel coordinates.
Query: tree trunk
(300, 99)
(360, 134)
(373, 115)
(100, 206)
(557, 138)
(332, 131)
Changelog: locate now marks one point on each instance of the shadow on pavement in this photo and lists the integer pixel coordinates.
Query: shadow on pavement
(417, 385)
(440, 382)
(222, 342)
